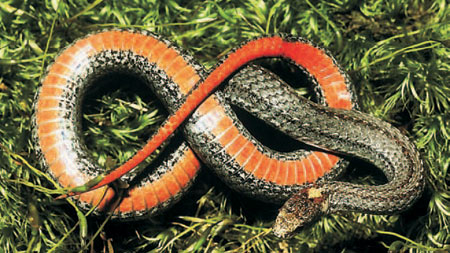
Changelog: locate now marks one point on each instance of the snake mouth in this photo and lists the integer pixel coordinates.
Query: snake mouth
(286, 224)
(301, 209)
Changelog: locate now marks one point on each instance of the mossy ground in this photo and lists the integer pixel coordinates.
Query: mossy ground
(396, 53)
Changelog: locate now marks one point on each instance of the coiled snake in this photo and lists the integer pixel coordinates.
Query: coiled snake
(215, 135)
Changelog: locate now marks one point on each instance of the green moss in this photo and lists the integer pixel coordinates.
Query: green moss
(395, 51)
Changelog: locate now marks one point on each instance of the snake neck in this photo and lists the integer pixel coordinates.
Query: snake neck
(385, 147)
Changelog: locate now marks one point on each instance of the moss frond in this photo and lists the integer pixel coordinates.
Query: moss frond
(395, 51)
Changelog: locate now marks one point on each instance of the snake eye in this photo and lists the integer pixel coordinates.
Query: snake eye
(291, 207)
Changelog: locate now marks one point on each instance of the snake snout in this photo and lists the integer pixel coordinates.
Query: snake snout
(301, 209)
(286, 223)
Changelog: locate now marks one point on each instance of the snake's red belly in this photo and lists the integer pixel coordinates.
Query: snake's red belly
(213, 130)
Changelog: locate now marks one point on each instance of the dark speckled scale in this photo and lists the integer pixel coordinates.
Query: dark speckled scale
(215, 133)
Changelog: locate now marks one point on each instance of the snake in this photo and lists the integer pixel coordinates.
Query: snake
(203, 111)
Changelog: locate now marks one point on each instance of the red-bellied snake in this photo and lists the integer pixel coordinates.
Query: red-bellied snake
(215, 135)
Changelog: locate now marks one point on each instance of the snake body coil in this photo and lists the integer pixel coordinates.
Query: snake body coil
(216, 135)
(350, 133)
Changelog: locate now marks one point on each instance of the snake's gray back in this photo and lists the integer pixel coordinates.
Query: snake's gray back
(347, 132)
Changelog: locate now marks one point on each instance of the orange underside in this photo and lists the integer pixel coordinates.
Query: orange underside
(281, 172)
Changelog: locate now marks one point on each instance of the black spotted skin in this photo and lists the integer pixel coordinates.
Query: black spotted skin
(216, 135)
(171, 74)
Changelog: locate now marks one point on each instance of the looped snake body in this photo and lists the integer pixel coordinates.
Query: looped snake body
(214, 133)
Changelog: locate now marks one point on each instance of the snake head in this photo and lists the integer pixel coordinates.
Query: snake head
(301, 209)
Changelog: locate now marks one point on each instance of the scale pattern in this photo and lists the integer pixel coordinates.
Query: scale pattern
(215, 135)
(351, 133)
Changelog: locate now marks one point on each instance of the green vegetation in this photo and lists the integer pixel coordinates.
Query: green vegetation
(396, 53)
